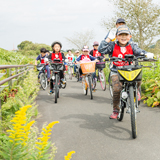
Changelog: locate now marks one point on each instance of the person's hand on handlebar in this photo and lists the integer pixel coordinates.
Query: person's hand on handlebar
(149, 55)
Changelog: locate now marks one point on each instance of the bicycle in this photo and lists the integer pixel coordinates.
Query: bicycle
(87, 70)
(56, 66)
(129, 75)
(43, 75)
(77, 74)
(101, 76)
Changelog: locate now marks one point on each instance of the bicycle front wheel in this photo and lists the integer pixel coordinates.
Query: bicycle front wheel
(90, 86)
(43, 81)
(85, 87)
(110, 85)
(70, 73)
(133, 112)
(102, 79)
(56, 89)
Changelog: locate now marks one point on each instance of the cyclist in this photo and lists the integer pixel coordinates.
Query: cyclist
(94, 52)
(85, 57)
(119, 49)
(70, 58)
(74, 59)
(56, 47)
(42, 59)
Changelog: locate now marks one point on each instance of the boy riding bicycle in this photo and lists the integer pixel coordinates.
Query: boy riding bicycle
(42, 59)
(120, 48)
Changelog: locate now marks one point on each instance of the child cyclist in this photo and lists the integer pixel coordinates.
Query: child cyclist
(56, 47)
(85, 57)
(70, 58)
(74, 59)
(119, 49)
(94, 52)
(41, 58)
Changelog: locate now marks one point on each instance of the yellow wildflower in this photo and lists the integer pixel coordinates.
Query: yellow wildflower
(69, 155)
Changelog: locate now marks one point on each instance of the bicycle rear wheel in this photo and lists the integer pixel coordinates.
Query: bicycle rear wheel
(43, 81)
(102, 79)
(133, 112)
(90, 86)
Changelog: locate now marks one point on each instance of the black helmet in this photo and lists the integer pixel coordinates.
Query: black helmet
(56, 42)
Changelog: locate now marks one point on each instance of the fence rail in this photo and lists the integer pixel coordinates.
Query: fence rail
(18, 71)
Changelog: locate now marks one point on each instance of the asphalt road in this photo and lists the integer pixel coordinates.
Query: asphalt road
(85, 127)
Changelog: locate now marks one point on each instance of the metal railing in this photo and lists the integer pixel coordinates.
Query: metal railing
(13, 73)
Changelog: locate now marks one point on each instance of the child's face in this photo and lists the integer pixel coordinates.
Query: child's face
(85, 53)
(123, 38)
(43, 54)
(77, 54)
(95, 47)
(69, 52)
(56, 48)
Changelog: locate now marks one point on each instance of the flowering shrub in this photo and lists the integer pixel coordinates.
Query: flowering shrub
(23, 142)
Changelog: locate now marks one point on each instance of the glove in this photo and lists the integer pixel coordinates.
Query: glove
(45, 59)
(112, 33)
(66, 60)
(150, 55)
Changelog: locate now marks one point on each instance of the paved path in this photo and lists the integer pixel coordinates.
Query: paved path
(85, 127)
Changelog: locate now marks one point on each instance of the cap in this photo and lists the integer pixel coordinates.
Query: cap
(85, 48)
(123, 29)
(77, 51)
(120, 20)
(95, 43)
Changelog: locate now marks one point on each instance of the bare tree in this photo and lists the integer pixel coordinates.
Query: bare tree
(79, 39)
(141, 16)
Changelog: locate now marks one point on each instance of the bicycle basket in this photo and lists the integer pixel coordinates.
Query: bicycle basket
(88, 67)
(100, 65)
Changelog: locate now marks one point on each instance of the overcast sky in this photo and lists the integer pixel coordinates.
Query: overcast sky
(44, 21)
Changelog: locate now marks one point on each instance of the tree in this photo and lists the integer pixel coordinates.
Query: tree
(141, 16)
(24, 44)
(80, 39)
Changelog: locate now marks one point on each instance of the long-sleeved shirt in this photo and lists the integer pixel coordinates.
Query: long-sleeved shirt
(90, 57)
(107, 48)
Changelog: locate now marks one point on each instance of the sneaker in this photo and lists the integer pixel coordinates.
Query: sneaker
(63, 81)
(139, 96)
(51, 92)
(114, 115)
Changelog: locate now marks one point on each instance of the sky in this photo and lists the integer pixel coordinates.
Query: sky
(44, 21)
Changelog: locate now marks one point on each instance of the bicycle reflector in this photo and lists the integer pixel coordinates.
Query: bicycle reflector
(130, 75)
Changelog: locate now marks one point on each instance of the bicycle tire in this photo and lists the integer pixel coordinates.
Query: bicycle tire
(56, 89)
(110, 85)
(43, 81)
(102, 80)
(85, 87)
(133, 112)
(64, 85)
(70, 74)
(90, 86)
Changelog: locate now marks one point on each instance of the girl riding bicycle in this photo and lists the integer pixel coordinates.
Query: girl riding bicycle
(56, 46)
